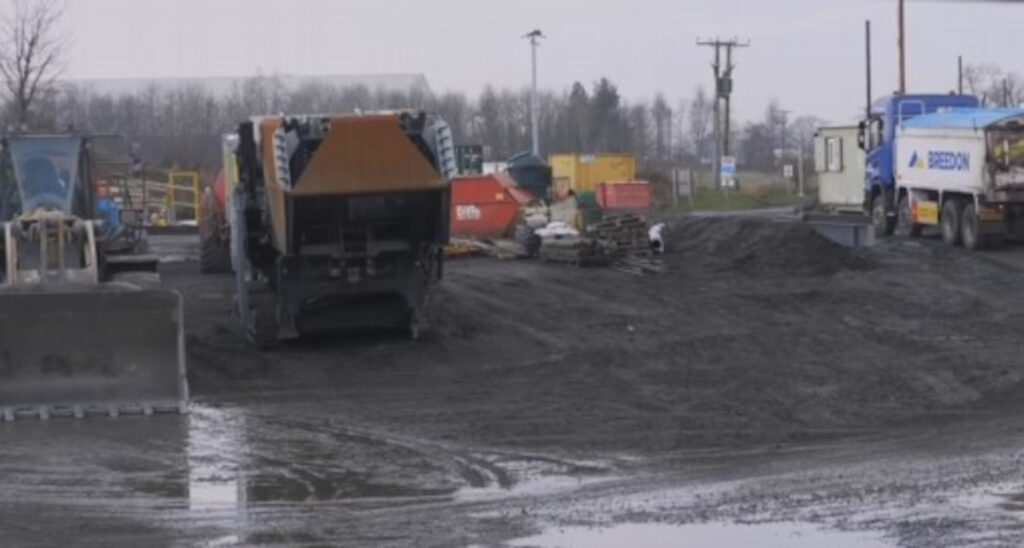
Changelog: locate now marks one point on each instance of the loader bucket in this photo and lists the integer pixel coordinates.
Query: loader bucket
(110, 350)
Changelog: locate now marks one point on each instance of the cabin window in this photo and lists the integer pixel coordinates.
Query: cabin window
(834, 154)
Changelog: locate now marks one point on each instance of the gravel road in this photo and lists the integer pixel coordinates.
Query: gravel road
(767, 378)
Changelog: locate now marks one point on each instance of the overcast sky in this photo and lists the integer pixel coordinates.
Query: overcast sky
(806, 53)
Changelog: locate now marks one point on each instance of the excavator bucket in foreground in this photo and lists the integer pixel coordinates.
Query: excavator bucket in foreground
(107, 349)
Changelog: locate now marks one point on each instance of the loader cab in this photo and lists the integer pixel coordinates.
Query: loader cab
(43, 172)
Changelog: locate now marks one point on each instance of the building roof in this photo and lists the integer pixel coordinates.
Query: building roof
(964, 118)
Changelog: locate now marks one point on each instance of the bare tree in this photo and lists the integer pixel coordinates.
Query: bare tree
(30, 53)
(661, 116)
(182, 125)
(803, 129)
(702, 115)
(981, 80)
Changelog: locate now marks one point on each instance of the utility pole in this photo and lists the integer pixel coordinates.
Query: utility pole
(800, 172)
(867, 47)
(535, 38)
(903, 53)
(784, 120)
(960, 74)
(723, 92)
(716, 150)
(727, 97)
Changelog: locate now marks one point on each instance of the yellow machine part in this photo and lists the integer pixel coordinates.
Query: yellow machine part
(367, 155)
(925, 212)
(359, 155)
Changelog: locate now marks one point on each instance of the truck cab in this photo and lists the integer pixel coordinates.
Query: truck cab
(876, 137)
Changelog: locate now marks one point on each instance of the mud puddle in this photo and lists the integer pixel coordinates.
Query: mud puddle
(702, 535)
(236, 459)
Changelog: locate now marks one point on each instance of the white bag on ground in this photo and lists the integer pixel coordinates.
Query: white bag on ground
(656, 238)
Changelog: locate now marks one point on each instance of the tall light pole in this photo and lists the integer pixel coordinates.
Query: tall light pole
(867, 65)
(535, 38)
(903, 52)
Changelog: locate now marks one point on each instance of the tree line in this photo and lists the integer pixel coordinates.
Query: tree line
(993, 85)
(182, 125)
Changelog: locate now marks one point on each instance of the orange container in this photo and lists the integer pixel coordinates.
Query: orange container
(483, 206)
(624, 195)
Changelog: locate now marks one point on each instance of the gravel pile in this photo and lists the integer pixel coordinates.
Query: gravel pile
(756, 246)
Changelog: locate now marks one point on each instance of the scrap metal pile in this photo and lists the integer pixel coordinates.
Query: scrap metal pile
(616, 240)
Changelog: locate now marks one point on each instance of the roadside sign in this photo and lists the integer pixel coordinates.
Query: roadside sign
(729, 165)
(728, 171)
(683, 179)
(787, 171)
(469, 159)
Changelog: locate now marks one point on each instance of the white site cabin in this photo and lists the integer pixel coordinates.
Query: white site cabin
(839, 163)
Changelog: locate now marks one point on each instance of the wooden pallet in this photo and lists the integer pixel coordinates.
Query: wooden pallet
(574, 256)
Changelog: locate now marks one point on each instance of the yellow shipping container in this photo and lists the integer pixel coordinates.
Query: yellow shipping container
(586, 171)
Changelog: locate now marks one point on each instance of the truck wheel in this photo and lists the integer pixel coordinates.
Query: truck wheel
(884, 225)
(969, 228)
(950, 222)
(905, 225)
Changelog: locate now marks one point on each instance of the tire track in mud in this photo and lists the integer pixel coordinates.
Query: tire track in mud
(474, 468)
(283, 459)
(288, 494)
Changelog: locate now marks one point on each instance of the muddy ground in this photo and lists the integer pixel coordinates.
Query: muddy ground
(766, 376)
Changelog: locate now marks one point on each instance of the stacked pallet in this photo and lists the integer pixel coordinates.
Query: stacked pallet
(457, 248)
(624, 235)
(574, 251)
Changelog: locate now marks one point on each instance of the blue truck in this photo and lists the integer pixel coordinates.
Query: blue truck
(943, 161)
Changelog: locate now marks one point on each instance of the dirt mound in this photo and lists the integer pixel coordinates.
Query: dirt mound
(757, 246)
